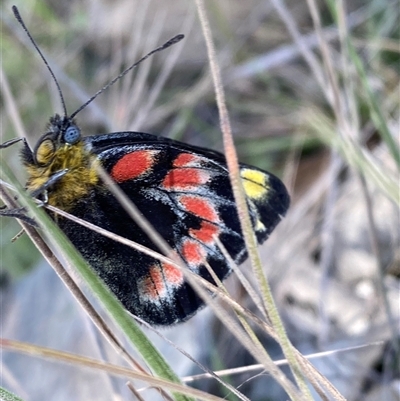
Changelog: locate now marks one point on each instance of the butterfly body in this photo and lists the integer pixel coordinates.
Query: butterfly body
(182, 190)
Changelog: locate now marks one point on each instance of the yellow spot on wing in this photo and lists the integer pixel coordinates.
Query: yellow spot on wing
(255, 183)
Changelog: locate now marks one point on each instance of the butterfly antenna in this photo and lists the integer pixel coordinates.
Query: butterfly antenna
(171, 42)
(21, 22)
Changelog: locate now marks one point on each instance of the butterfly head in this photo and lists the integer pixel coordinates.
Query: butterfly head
(61, 133)
(59, 161)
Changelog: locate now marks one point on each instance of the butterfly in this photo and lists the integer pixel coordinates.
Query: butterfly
(183, 191)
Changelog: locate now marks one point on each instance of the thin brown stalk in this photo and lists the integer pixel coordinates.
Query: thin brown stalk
(251, 243)
(115, 370)
(71, 285)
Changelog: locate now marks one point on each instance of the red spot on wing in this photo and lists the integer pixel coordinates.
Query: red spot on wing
(192, 252)
(133, 165)
(200, 207)
(173, 275)
(153, 286)
(205, 233)
(185, 178)
(185, 159)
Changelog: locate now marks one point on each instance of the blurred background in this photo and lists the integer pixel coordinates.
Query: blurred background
(333, 262)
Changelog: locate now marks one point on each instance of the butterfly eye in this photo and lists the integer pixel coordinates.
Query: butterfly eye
(72, 134)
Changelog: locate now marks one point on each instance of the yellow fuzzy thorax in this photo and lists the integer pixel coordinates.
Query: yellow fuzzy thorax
(75, 184)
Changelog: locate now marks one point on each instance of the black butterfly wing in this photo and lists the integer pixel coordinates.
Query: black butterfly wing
(185, 193)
